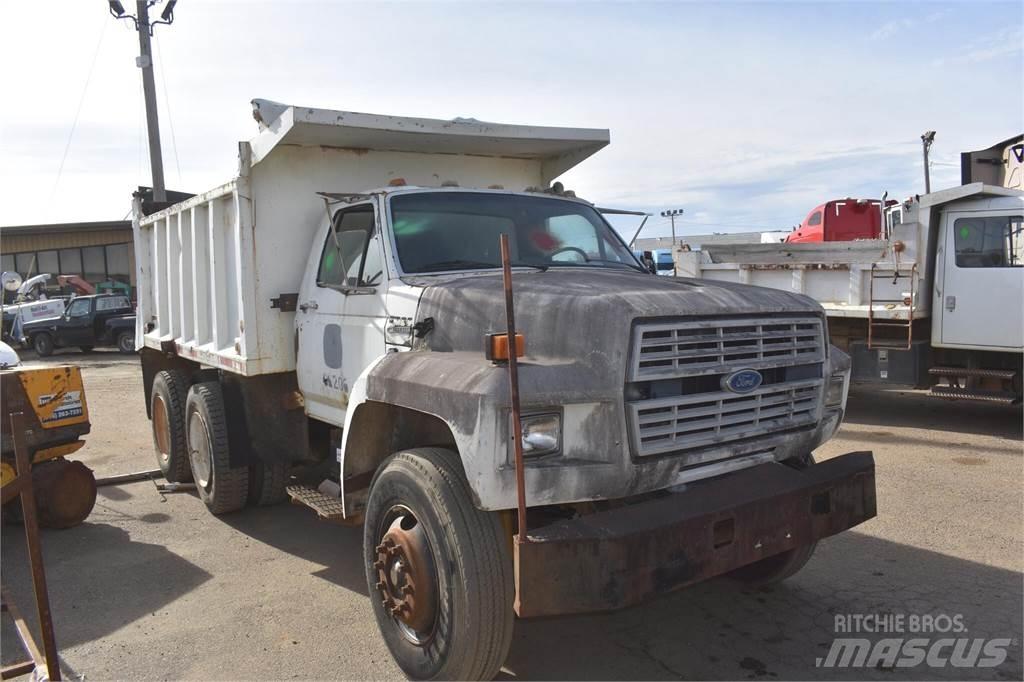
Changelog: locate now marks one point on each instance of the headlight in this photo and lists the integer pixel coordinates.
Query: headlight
(835, 396)
(542, 434)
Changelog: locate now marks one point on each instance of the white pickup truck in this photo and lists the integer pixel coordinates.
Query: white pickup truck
(303, 334)
(936, 302)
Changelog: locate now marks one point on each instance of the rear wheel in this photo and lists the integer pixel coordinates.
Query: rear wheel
(267, 483)
(221, 487)
(126, 342)
(43, 345)
(439, 570)
(167, 411)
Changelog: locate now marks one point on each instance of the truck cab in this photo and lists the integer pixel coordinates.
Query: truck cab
(839, 220)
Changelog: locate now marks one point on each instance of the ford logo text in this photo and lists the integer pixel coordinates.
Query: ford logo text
(742, 381)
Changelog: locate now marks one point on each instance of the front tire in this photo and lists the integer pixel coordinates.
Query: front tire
(222, 488)
(439, 570)
(43, 345)
(776, 568)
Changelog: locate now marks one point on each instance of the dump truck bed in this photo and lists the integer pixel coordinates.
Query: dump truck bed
(210, 268)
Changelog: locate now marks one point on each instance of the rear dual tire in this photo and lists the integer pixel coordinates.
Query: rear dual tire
(175, 433)
(167, 415)
(222, 487)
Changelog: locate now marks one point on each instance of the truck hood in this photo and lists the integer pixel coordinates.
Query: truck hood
(567, 313)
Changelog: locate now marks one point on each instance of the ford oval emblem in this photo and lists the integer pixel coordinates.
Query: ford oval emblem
(742, 381)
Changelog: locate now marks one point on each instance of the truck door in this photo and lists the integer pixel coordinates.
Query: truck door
(77, 327)
(983, 280)
(340, 316)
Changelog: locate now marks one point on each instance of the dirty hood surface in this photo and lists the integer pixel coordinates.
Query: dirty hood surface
(573, 312)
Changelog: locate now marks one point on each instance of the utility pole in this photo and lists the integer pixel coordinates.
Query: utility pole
(144, 61)
(926, 143)
(671, 215)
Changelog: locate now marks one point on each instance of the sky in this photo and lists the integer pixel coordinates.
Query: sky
(745, 115)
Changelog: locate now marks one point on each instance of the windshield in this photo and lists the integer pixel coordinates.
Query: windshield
(438, 231)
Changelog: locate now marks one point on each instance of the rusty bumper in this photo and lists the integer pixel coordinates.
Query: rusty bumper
(620, 557)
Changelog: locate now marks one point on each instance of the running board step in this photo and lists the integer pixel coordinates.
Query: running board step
(326, 507)
(963, 394)
(980, 373)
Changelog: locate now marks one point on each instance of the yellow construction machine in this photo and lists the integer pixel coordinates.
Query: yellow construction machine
(44, 410)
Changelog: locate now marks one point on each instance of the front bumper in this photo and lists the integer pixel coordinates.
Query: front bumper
(620, 557)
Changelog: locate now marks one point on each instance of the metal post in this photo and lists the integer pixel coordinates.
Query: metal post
(926, 143)
(672, 249)
(35, 554)
(145, 62)
(513, 383)
(671, 215)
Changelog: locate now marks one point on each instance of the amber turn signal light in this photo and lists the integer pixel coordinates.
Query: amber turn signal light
(496, 346)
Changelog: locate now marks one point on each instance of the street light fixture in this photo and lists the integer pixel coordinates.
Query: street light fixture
(671, 215)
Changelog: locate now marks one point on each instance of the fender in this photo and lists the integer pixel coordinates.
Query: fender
(469, 395)
(454, 388)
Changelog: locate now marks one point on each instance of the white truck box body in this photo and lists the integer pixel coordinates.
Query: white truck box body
(209, 266)
(838, 274)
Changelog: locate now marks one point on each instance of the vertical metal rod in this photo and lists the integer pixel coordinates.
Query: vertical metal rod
(35, 555)
(672, 250)
(637, 233)
(513, 383)
(156, 161)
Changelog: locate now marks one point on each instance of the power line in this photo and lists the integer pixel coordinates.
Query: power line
(78, 111)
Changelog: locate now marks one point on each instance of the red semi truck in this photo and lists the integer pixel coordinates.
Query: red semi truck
(840, 220)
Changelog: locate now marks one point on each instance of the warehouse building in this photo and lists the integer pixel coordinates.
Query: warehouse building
(96, 251)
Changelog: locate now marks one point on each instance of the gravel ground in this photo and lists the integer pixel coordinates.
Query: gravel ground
(153, 587)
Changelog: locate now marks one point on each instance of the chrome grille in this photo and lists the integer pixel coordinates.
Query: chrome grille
(693, 357)
(665, 350)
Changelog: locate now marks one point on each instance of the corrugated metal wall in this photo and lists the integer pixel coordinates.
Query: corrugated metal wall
(44, 241)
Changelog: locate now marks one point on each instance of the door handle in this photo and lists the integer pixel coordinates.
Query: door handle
(951, 303)
(308, 305)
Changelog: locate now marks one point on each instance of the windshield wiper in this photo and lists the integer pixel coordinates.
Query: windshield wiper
(473, 265)
(600, 260)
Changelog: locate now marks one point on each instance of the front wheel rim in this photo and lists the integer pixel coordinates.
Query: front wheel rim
(405, 576)
(199, 450)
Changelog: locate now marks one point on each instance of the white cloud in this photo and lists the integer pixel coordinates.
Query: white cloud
(1006, 42)
(904, 24)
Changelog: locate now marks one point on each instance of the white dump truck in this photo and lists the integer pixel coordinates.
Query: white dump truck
(935, 302)
(328, 326)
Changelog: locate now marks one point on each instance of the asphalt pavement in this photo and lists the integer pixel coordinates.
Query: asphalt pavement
(153, 587)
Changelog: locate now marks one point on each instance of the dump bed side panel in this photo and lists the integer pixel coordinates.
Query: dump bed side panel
(194, 262)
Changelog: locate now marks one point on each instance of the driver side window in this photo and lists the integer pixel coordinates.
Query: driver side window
(351, 256)
(79, 308)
